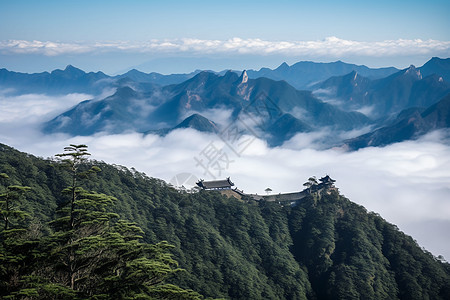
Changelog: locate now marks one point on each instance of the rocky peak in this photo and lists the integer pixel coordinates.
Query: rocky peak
(244, 77)
(412, 70)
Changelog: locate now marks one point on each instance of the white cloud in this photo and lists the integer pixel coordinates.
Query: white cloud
(311, 140)
(31, 108)
(220, 116)
(331, 47)
(46, 48)
(367, 110)
(300, 113)
(346, 135)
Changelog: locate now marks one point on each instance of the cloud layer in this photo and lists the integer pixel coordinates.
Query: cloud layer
(31, 108)
(331, 46)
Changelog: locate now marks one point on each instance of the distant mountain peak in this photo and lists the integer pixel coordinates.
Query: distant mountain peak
(412, 70)
(436, 59)
(69, 72)
(134, 71)
(198, 122)
(283, 66)
(125, 92)
(203, 76)
(436, 65)
(73, 70)
(70, 67)
(230, 75)
(244, 77)
(355, 75)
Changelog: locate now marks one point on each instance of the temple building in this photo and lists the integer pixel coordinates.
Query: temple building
(327, 181)
(225, 184)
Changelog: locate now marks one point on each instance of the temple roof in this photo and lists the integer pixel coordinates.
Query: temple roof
(215, 184)
(326, 179)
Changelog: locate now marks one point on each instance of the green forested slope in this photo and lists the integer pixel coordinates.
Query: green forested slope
(324, 248)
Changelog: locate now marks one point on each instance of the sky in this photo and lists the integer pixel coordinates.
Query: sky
(114, 36)
(407, 183)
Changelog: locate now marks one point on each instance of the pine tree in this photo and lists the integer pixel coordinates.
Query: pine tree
(9, 203)
(73, 157)
(311, 183)
(15, 247)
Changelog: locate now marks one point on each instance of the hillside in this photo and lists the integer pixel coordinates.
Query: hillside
(324, 247)
(386, 96)
(410, 124)
(438, 66)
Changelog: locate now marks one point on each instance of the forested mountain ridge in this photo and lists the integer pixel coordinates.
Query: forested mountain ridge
(86, 251)
(325, 247)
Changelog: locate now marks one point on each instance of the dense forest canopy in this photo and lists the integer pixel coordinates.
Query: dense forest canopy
(74, 228)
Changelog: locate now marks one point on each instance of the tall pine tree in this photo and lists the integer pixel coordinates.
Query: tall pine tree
(15, 245)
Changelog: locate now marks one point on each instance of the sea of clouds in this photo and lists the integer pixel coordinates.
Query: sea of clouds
(407, 183)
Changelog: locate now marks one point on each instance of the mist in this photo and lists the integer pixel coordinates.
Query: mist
(407, 183)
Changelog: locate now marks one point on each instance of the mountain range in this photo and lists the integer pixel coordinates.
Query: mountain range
(71, 79)
(304, 74)
(267, 103)
(246, 99)
(57, 82)
(409, 124)
(386, 96)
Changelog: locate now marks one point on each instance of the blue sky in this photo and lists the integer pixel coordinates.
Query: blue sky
(85, 23)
